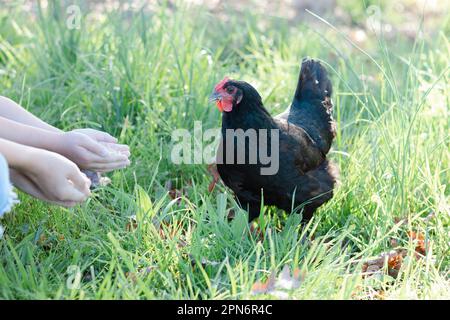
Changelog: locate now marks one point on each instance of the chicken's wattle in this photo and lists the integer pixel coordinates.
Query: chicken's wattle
(224, 105)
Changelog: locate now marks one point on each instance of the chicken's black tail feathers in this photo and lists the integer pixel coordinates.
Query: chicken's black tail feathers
(312, 106)
(313, 82)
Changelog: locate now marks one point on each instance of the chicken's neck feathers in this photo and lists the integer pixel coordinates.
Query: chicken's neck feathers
(248, 116)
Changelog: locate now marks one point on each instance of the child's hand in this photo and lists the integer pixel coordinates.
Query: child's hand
(98, 136)
(52, 178)
(89, 153)
(25, 184)
(105, 139)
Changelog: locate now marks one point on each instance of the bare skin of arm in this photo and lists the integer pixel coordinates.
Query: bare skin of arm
(89, 149)
(12, 111)
(45, 175)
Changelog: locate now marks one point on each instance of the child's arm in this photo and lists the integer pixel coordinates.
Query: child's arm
(79, 148)
(28, 135)
(64, 143)
(11, 110)
(45, 174)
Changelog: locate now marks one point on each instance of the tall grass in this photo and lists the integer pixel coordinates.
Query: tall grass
(140, 75)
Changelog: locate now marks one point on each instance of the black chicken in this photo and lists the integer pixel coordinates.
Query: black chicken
(305, 178)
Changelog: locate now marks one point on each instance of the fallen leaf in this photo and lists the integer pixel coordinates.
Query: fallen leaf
(394, 243)
(264, 287)
(299, 275)
(212, 169)
(46, 242)
(394, 263)
(393, 260)
(419, 240)
(372, 268)
(132, 223)
(173, 192)
(280, 287)
(257, 232)
(285, 281)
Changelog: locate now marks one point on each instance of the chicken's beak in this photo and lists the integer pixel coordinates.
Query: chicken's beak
(215, 96)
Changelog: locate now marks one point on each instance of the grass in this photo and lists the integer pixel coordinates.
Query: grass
(140, 75)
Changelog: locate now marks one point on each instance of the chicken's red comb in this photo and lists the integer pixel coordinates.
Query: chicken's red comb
(221, 83)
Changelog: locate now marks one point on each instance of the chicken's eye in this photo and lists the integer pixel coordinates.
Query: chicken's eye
(230, 90)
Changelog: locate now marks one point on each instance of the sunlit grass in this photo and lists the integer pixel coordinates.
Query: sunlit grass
(141, 76)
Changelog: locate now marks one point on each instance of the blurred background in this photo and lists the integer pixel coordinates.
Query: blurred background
(361, 16)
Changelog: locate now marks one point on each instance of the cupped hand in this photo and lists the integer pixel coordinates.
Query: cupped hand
(25, 184)
(92, 154)
(97, 135)
(52, 178)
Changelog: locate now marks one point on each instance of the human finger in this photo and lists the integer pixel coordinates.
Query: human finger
(72, 194)
(94, 147)
(111, 156)
(122, 148)
(102, 136)
(107, 167)
(28, 186)
(80, 181)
